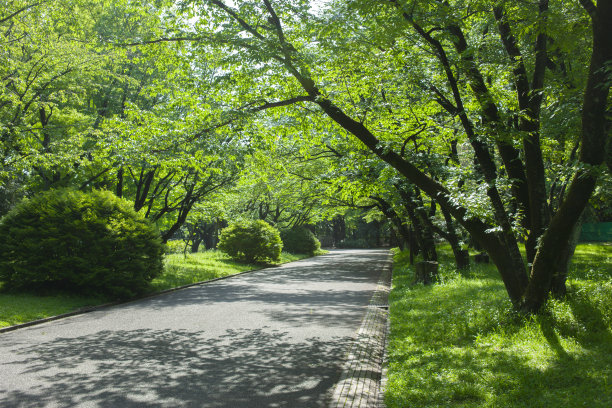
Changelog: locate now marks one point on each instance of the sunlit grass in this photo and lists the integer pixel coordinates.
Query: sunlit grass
(184, 269)
(180, 270)
(21, 307)
(458, 343)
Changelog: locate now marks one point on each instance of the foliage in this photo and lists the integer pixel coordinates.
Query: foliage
(82, 242)
(175, 246)
(456, 344)
(252, 241)
(441, 93)
(291, 111)
(353, 243)
(300, 240)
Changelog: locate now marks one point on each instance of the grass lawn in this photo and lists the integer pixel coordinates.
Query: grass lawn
(202, 266)
(458, 344)
(17, 308)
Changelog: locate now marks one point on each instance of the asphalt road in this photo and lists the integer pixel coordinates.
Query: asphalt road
(271, 338)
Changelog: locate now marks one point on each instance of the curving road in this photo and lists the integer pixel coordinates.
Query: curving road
(271, 338)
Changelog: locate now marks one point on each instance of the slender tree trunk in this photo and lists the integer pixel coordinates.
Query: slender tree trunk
(119, 188)
(422, 224)
(388, 211)
(412, 245)
(462, 258)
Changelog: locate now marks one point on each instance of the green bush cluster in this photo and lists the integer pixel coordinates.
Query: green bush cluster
(300, 240)
(92, 243)
(251, 241)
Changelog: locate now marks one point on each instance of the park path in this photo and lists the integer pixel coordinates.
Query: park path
(271, 338)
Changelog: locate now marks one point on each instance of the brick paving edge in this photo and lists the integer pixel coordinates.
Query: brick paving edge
(361, 383)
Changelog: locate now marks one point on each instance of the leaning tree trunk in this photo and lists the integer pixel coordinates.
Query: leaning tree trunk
(403, 234)
(594, 138)
(503, 251)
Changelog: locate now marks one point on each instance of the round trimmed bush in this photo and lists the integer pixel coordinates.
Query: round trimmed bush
(92, 243)
(251, 241)
(300, 240)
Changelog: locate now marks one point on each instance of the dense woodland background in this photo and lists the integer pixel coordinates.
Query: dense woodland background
(475, 122)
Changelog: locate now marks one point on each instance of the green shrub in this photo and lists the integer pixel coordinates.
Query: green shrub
(251, 241)
(175, 246)
(91, 243)
(300, 240)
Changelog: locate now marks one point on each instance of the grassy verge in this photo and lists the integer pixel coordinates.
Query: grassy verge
(202, 266)
(458, 344)
(17, 308)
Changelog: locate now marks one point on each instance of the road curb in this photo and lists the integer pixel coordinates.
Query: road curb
(362, 374)
(123, 302)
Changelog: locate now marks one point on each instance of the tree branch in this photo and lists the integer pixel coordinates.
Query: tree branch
(21, 10)
(286, 102)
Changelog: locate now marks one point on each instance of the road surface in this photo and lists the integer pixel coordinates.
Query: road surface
(271, 338)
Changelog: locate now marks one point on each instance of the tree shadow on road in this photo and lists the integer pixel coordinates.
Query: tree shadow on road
(160, 368)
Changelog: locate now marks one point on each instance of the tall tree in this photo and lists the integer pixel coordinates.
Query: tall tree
(277, 43)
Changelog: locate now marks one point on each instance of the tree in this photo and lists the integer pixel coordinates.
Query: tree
(284, 50)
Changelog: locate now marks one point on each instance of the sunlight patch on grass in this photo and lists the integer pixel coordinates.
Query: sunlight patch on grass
(20, 308)
(459, 344)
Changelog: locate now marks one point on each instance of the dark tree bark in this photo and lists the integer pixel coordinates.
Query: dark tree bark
(530, 100)
(403, 234)
(594, 136)
(462, 257)
(119, 187)
(195, 244)
(426, 272)
(558, 288)
(422, 228)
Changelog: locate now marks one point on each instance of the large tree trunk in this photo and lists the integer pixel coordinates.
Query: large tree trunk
(558, 288)
(195, 244)
(594, 138)
(529, 98)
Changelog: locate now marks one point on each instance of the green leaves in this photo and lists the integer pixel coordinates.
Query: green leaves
(251, 241)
